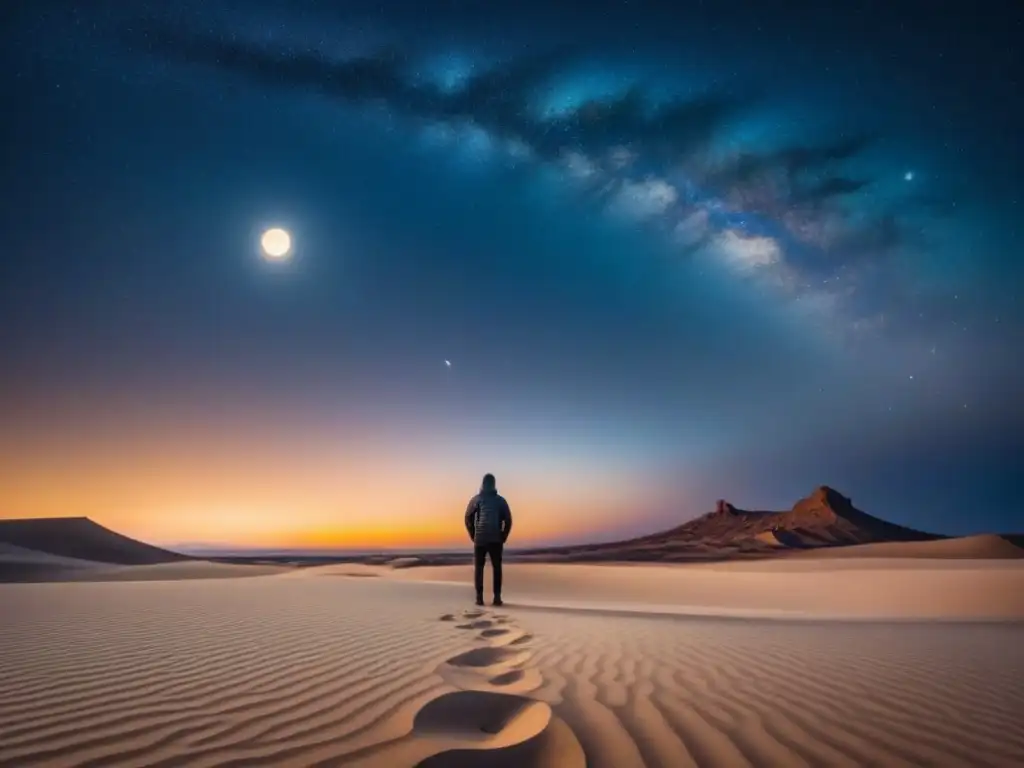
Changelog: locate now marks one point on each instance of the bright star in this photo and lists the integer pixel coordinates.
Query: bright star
(448, 363)
(908, 176)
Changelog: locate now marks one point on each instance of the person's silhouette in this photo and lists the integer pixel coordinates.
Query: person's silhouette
(488, 522)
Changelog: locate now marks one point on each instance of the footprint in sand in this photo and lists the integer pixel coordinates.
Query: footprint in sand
(497, 730)
(510, 638)
(473, 715)
(483, 657)
(473, 670)
(503, 662)
(507, 678)
(473, 614)
(479, 624)
(448, 617)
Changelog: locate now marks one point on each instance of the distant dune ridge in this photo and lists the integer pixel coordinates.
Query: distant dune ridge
(82, 539)
(825, 520)
(77, 549)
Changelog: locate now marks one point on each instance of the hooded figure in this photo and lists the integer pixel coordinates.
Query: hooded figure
(488, 522)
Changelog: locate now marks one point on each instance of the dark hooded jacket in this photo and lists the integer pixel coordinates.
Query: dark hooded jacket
(488, 517)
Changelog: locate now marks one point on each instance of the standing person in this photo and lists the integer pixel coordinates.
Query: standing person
(488, 522)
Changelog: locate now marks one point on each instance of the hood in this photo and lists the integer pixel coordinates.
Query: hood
(488, 485)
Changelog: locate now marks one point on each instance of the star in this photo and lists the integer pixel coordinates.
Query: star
(448, 363)
(908, 176)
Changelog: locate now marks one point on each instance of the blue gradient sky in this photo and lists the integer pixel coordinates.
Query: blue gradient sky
(672, 255)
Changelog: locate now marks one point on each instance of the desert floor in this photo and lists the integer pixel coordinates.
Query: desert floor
(780, 664)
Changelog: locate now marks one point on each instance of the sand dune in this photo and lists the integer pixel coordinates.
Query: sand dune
(114, 557)
(23, 565)
(193, 569)
(983, 547)
(9, 553)
(864, 588)
(82, 539)
(387, 672)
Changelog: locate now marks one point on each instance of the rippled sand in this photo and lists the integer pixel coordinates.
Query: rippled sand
(315, 668)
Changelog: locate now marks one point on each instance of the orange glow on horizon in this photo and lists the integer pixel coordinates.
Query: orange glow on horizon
(268, 494)
(232, 479)
(299, 526)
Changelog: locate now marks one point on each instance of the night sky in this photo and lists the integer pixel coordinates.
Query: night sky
(673, 252)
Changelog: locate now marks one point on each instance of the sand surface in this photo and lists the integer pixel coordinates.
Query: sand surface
(18, 564)
(316, 667)
(986, 546)
(866, 588)
(12, 554)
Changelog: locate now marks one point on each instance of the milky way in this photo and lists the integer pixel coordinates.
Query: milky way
(743, 253)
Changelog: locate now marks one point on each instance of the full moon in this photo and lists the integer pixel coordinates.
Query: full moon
(276, 243)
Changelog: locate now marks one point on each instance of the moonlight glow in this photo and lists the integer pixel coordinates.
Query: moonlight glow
(276, 244)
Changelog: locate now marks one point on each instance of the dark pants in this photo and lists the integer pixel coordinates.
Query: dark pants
(480, 553)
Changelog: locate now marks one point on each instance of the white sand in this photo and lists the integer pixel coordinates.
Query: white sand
(311, 668)
(846, 588)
